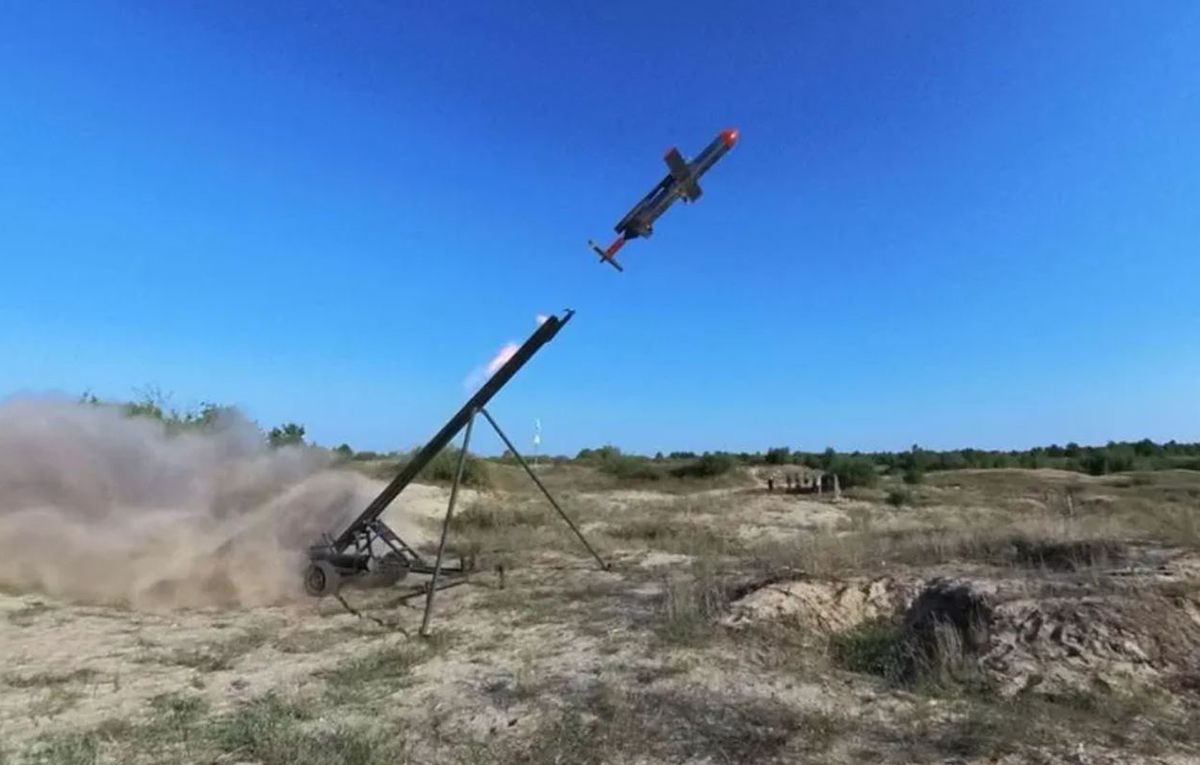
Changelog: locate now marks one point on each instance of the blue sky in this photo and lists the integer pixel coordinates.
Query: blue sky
(955, 224)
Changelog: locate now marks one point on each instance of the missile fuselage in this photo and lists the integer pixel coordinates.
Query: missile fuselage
(640, 220)
(682, 182)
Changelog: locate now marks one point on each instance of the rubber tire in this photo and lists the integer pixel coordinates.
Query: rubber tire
(321, 579)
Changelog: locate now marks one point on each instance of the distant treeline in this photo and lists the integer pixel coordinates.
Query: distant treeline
(1113, 457)
(153, 405)
(865, 468)
(852, 468)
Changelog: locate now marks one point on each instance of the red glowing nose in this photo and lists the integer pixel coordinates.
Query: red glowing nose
(729, 137)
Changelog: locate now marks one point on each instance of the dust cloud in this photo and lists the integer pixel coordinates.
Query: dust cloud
(97, 507)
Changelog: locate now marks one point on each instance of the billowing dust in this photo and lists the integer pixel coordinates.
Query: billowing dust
(98, 507)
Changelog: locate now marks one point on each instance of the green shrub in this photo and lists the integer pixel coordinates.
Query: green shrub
(288, 434)
(708, 466)
(778, 455)
(899, 498)
(854, 471)
(873, 647)
(487, 515)
(441, 469)
(631, 468)
(153, 405)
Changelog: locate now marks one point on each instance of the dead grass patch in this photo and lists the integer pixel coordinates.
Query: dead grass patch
(301, 641)
(662, 532)
(359, 679)
(49, 679)
(979, 726)
(274, 731)
(609, 724)
(489, 513)
(269, 730)
(690, 605)
(212, 656)
(832, 554)
(64, 748)
(27, 614)
(53, 701)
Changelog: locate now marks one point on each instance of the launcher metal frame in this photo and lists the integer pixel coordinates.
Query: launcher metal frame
(353, 557)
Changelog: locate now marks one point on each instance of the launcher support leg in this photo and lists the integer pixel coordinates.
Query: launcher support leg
(437, 564)
(540, 485)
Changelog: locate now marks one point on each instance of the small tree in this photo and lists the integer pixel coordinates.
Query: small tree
(828, 458)
(914, 474)
(778, 455)
(288, 434)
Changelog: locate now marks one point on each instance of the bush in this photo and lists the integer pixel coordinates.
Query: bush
(778, 455)
(630, 469)
(899, 497)
(443, 467)
(913, 474)
(873, 647)
(708, 466)
(153, 406)
(854, 471)
(288, 434)
(601, 454)
(491, 515)
(1104, 461)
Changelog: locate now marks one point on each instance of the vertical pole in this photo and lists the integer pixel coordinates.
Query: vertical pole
(437, 564)
(545, 491)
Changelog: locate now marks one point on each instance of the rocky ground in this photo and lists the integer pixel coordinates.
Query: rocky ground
(981, 617)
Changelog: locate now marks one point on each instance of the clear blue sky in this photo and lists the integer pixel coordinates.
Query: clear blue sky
(950, 223)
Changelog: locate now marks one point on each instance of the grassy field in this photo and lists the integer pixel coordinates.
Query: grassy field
(980, 616)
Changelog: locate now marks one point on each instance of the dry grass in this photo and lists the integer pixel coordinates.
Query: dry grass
(49, 679)
(269, 730)
(975, 726)
(608, 724)
(690, 605)
(572, 665)
(1057, 547)
(27, 614)
(213, 656)
(663, 532)
(489, 514)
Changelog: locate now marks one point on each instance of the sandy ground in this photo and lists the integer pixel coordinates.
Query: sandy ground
(734, 626)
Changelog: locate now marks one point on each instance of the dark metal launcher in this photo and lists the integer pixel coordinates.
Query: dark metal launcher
(369, 553)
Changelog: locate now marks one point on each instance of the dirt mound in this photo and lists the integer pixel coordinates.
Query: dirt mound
(1014, 634)
(821, 606)
(1022, 641)
(1112, 640)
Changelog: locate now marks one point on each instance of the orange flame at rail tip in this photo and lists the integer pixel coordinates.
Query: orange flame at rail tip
(507, 352)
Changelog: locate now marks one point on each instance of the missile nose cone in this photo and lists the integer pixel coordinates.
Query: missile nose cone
(729, 137)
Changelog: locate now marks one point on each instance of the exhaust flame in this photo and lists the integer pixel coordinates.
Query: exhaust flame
(501, 358)
(480, 375)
